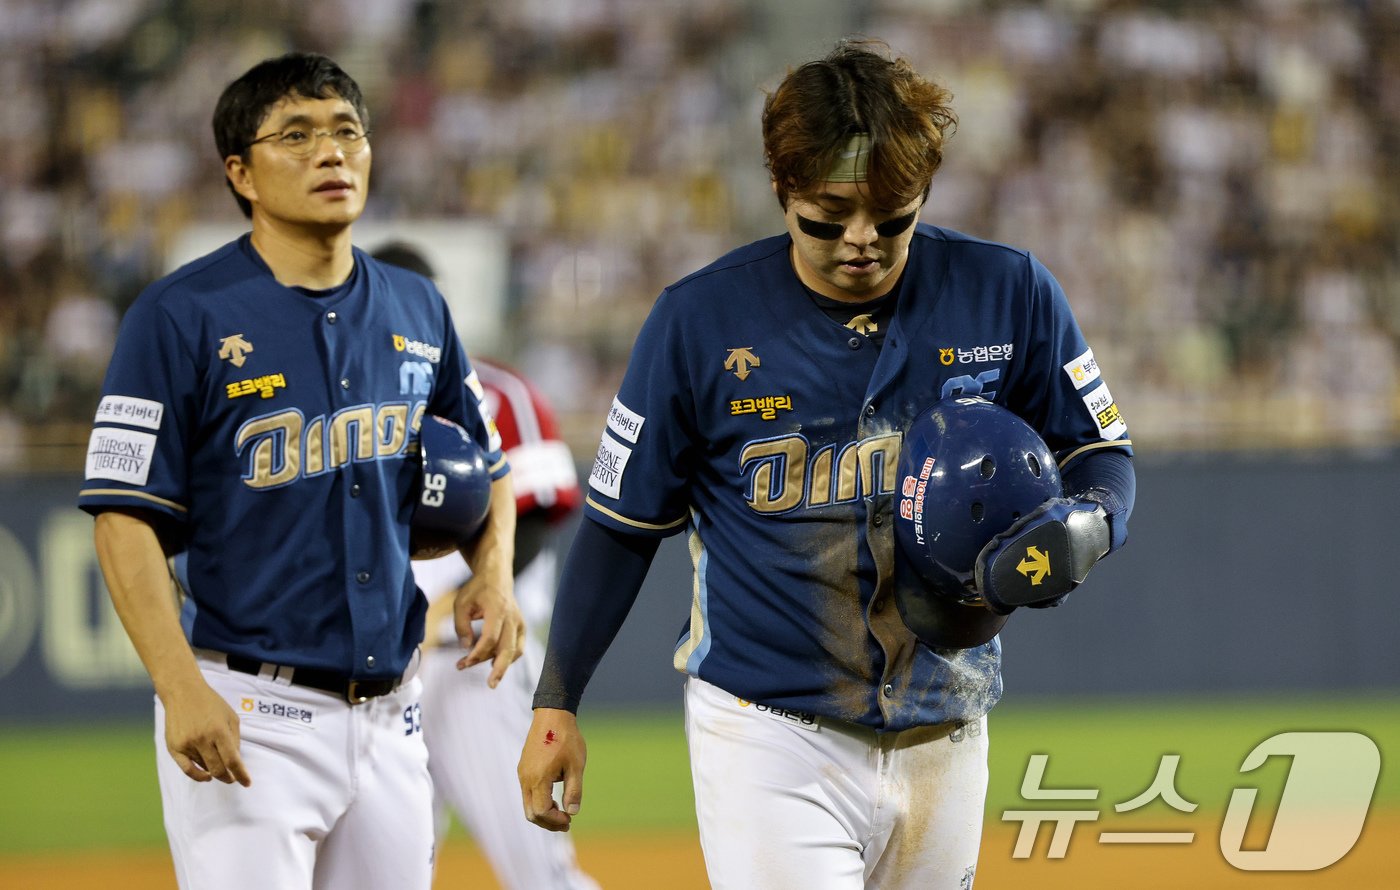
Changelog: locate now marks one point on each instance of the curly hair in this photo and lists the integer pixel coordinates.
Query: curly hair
(857, 88)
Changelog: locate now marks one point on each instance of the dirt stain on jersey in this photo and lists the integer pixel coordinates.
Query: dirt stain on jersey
(847, 672)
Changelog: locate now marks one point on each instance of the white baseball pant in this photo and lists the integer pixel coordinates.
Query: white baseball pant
(340, 799)
(786, 800)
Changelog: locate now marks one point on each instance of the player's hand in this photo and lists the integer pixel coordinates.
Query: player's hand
(201, 734)
(554, 752)
(501, 639)
(1043, 556)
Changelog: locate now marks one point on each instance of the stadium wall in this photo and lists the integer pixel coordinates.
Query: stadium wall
(1243, 574)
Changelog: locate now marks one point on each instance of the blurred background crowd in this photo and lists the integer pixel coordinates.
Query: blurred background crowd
(1216, 184)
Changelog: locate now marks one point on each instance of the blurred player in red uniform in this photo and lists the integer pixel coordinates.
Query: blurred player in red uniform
(474, 733)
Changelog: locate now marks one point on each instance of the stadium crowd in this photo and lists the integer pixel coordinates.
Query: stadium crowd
(1217, 185)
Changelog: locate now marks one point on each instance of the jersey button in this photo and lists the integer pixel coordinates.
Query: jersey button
(889, 690)
(362, 577)
(854, 343)
(869, 410)
(369, 661)
(354, 491)
(878, 520)
(332, 317)
(345, 383)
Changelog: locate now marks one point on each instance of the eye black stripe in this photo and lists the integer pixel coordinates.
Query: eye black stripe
(824, 231)
(892, 227)
(828, 231)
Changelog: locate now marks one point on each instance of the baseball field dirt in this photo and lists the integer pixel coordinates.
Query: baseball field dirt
(672, 861)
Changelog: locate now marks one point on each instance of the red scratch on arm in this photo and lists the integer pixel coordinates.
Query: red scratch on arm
(549, 737)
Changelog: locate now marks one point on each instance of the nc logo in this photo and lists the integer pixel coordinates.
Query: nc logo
(967, 385)
(415, 378)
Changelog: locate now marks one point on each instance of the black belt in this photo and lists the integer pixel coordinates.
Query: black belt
(354, 691)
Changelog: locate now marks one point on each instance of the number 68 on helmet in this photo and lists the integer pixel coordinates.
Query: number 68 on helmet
(968, 471)
(454, 492)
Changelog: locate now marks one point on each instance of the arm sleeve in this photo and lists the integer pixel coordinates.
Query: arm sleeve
(600, 581)
(1107, 477)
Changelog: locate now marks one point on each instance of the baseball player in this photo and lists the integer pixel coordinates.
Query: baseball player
(762, 414)
(259, 420)
(472, 768)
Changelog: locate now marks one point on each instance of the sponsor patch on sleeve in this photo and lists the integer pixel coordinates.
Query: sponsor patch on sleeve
(1105, 412)
(122, 455)
(130, 411)
(1084, 370)
(625, 422)
(608, 467)
(473, 383)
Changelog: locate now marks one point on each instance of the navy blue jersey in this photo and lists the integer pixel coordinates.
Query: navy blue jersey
(277, 429)
(771, 433)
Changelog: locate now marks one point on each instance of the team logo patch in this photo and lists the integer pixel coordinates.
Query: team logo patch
(122, 455)
(130, 411)
(234, 350)
(624, 421)
(418, 348)
(608, 467)
(1105, 412)
(740, 360)
(946, 356)
(264, 386)
(766, 407)
(1083, 370)
(415, 378)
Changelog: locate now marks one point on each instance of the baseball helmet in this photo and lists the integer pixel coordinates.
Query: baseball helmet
(454, 492)
(968, 469)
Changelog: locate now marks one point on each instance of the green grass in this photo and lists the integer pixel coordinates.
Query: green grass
(94, 786)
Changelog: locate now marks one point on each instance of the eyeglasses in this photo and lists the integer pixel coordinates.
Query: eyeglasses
(301, 142)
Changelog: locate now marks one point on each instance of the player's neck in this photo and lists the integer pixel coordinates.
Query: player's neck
(316, 259)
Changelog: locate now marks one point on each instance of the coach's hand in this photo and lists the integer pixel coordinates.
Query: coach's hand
(502, 632)
(201, 733)
(554, 752)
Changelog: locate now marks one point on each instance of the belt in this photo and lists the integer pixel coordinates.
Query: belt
(353, 691)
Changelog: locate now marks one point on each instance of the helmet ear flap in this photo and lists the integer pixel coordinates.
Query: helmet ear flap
(454, 489)
(968, 469)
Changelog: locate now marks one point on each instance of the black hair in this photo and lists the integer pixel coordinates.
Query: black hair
(245, 103)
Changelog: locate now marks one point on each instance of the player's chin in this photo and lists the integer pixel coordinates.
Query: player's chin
(335, 217)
